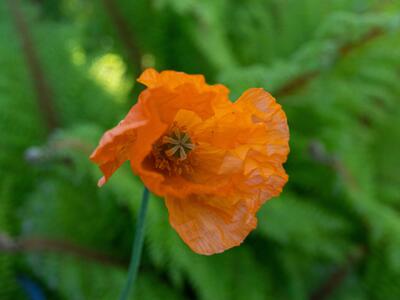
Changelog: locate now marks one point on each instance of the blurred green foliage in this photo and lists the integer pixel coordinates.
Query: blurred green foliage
(334, 66)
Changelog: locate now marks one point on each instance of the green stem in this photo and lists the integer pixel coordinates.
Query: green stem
(137, 247)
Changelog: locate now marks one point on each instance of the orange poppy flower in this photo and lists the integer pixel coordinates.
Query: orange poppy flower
(215, 162)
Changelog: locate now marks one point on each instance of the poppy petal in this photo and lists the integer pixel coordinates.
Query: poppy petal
(116, 144)
(263, 108)
(209, 229)
(172, 79)
(152, 79)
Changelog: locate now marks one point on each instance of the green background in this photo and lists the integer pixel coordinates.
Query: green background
(67, 73)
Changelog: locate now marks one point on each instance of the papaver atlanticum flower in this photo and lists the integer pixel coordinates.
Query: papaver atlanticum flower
(213, 161)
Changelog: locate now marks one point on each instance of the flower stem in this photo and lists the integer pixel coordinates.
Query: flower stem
(137, 247)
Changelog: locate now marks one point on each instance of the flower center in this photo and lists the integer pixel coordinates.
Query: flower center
(171, 152)
(177, 145)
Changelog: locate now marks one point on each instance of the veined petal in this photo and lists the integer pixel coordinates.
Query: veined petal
(263, 109)
(209, 229)
(172, 79)
(116, 144)
(191, 91)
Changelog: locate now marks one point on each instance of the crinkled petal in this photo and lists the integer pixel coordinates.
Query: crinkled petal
(172, 79)
(263, 165)
(152, 79)
(116, 144)
(209, 229)
(264, 109)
